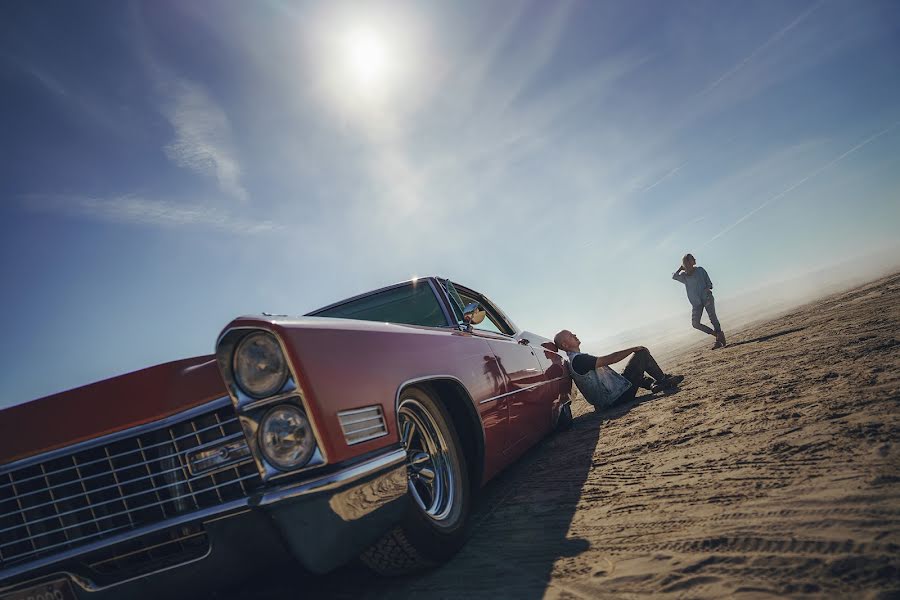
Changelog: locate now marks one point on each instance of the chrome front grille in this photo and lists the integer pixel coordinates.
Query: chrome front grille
(73, 499)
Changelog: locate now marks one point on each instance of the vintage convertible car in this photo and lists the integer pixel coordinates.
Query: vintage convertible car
(362, 429)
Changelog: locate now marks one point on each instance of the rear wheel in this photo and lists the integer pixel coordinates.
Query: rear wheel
(564, 422)
(434, 527)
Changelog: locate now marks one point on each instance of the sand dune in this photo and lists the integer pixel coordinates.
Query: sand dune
(774, 471)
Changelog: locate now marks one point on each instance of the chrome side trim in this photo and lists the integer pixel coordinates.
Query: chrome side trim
(198, 515)
(118, 435)
(524, 389)
(332, 481)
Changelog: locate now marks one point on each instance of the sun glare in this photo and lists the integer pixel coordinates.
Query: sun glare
(369, 65)
(367, 57)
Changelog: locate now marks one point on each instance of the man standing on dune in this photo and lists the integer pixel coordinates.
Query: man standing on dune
(600, 385)
(699, 292)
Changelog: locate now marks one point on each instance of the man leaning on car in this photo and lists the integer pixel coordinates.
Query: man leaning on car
(600, 385)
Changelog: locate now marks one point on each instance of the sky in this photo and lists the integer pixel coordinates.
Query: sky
(167, 166)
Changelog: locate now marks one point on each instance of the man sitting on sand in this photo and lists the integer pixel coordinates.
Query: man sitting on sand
(600, 385)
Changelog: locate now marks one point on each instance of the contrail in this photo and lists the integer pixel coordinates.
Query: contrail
(777, 36)
(663, 178)
(794, 186)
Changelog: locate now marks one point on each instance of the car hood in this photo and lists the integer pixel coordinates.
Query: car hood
(107, 406)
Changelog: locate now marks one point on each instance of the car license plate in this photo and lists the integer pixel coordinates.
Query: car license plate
(52, 590)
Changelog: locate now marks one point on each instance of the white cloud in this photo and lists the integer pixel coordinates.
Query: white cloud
(202, 137)
(133, 209)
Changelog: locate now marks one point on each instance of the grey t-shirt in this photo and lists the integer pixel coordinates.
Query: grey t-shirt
(696, 284)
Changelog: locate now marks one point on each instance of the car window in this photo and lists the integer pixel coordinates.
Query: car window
(411, 304)
(456, 302)
(491, 322)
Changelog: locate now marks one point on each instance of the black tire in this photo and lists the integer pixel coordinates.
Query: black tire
(424, 539)
(564, 423)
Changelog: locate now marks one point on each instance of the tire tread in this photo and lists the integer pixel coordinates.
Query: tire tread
(393, 554)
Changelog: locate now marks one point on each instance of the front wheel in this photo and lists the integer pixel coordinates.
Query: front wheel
(434, 527)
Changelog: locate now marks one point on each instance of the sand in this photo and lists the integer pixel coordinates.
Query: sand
(774, 471)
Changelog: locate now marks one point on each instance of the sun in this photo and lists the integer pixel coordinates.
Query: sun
(367, 58)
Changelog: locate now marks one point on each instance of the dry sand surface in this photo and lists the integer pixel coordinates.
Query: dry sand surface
(774, 471)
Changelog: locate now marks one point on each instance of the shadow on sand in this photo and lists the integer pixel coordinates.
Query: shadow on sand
(619, 410)
(519, 530)
(766, 338)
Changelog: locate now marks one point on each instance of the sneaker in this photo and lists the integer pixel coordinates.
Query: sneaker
(717, 345)
(720, 338)
(647, 384)
(667, 383)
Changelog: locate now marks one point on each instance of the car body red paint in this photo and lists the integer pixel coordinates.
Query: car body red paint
(513, 385)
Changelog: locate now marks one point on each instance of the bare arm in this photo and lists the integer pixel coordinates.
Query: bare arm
(611, 359)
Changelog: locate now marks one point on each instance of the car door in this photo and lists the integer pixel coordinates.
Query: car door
(553, 364)
(529, 411)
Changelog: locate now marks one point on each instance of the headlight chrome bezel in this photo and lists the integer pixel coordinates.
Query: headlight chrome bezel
(240, 378)
(267, 451)
(251, 409)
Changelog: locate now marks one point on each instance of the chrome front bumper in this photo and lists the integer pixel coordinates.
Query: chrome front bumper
(322, 522)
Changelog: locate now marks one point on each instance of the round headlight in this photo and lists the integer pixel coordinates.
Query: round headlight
(259, 366)
(286, 437)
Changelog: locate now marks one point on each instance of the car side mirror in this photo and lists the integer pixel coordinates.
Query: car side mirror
(473, 314)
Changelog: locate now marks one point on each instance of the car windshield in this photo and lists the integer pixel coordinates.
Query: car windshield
(410, 304)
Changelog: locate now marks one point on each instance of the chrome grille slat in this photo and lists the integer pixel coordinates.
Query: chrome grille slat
(101, 489)
(378, 426)
(55, 505)
(362, 424)
(222, 431)
(112, 469)
(190, 485)
(87, 496)
(128, 468)
(200, 443)
(150, 476)
(69, 499)
(376, 418)
(103, 503)
(59, 545)
(137, 508)
(19, 502)
(123, 454)
(145, 549)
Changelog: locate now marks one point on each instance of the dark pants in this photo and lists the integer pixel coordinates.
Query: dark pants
(642, 362)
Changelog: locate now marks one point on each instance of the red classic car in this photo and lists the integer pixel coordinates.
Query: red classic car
(361, 429)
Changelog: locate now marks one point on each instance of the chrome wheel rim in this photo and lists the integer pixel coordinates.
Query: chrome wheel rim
(428, 460)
